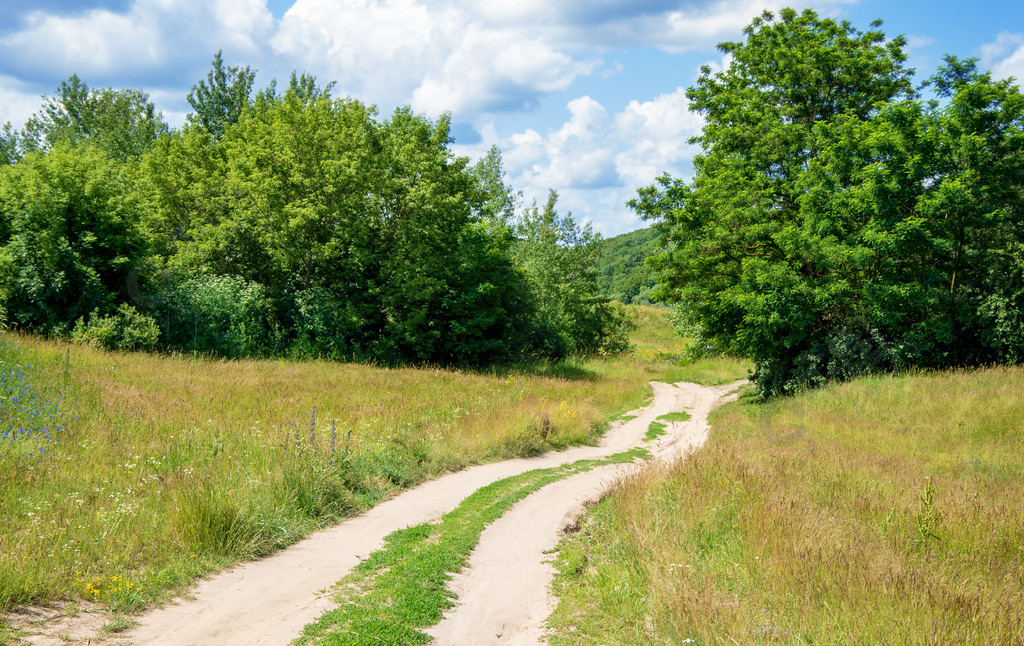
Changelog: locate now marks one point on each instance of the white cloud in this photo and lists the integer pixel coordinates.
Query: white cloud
(659, 131)
(98, 42)
(491, 70)
(1005, 56)
(597, 160)
(670, 25)
(918, 41)
(18, 101)
(152, 35)
(471, 57)
(435, 58)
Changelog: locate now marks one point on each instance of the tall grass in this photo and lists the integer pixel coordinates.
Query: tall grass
(887, 510)
(124, 476)
(654, 339)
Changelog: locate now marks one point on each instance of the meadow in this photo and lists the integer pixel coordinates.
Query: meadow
(886, 510)
(124, 476)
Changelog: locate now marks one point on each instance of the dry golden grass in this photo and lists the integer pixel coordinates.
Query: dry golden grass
(152, 469)
(885, 511)
(653, 336)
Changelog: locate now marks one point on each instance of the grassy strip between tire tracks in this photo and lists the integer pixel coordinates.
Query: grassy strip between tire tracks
(657, 428)
(401, 588)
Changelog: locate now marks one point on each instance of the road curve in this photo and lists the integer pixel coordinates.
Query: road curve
(504, 595)
(269, 601)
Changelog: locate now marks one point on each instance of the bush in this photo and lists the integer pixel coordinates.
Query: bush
(319, 328)
(221, 315)
(69, 238)
(127, 329)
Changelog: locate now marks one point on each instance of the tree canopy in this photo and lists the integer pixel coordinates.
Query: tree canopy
(124, 123)
(285, 223)
(837, 222)
(220, 100)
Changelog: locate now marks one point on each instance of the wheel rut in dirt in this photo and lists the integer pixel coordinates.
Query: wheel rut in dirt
(504, 594)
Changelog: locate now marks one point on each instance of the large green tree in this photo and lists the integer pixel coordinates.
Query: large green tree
(124, 123)
(837, 223)
(219, 101)
(70, 240)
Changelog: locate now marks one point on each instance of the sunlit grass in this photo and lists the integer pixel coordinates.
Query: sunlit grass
(654, 339)
(887, 510)
(125, 476)
(653, 336)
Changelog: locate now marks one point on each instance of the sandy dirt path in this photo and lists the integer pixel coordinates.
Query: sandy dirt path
(269, 601)
(504, 595)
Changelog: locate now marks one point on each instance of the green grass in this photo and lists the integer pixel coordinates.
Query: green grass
(657, 428)
(401, 588)
(654, 431)
(886, 510)
(711, 371)
(679, 416)
(140, 473)
(653, 336)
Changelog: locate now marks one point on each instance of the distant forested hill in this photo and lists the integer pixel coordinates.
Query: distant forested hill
(621, 272)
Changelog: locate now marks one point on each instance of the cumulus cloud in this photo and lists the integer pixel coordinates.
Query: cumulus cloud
(146, 42)
(1005, 56)
(20, 101)
(493, 71)
(435, 58)
(596, 160)
(471, 57)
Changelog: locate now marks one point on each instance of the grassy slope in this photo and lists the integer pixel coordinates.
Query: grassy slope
(887, 510)
(150, 470)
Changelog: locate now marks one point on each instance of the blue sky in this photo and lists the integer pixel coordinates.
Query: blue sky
(585, 97)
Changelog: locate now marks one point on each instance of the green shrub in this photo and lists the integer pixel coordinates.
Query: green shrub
(126, 329)
(319, 325)
(221, 315)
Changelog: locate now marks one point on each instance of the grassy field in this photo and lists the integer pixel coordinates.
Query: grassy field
(889, 510)
(125, 476)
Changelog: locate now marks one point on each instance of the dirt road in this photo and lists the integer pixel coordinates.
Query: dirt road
(504, 596)
(269, 601)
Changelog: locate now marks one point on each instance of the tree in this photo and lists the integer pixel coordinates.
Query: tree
(446, 278)
(929, 206)
(70, 237)
(124, 123)
(219, 101)
(830, 226)
(10, 145)
(498, 202)
(558, 258)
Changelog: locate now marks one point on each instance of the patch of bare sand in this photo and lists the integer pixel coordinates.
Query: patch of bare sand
(81, 622)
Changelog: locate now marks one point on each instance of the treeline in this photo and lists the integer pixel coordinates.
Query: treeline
(841, 220)
(283, 223)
